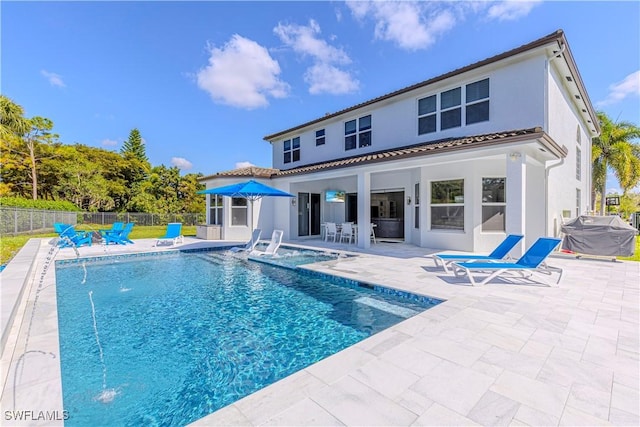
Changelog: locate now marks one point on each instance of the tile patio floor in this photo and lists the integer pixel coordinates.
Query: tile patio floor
(501, 354)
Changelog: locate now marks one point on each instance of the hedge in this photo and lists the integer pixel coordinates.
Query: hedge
(54, 205)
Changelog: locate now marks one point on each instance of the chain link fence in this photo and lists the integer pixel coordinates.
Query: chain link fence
(18, 220)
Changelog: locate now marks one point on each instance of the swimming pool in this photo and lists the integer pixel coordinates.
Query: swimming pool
(168, 339)
(292, 256)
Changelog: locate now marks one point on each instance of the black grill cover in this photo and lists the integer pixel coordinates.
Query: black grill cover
(599, 235)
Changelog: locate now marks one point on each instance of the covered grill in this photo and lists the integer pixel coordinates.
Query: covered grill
(599, 235)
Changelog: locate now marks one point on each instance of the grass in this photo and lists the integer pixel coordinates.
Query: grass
(10, 245)
(636, 255)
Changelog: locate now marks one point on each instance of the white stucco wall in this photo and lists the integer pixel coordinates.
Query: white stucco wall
(516, 94)
(566, 128)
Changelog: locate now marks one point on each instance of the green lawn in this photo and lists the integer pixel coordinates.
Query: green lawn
(10, 245)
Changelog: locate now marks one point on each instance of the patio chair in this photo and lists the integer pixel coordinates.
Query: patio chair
(498, 253)
(119, 237)
(115, 227)
(172, 235)
(251, 244)
(346, 232)
(331, 229)
(69, 236)
(533, 261)
(274, 244)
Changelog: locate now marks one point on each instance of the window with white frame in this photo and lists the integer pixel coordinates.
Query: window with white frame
(578, 164)
(292, 150)
(447, 205)
(578, 201)
(494, 204)
(477, 102)
(578, 135)
(215, 209)
(238, 211)
(427, 112)
(450, 109)
(476, 107)
(357, 133)
(320, 137)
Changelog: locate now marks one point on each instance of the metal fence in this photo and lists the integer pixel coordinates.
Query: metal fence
(17, 220)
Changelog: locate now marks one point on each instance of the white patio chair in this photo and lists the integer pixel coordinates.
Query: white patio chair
(347, 232)
(330, 230)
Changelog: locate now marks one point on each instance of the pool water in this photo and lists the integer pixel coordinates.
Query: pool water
(291, 257)
(168, 339)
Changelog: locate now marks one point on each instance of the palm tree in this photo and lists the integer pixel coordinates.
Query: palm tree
(614, 149)
(12, 120)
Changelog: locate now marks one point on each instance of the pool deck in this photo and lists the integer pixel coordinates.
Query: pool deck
(499, 354)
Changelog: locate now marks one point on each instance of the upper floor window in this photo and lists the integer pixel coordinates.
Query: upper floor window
(450, 109)
(320, 137)
(578, 164)
(427, 115)
(292, 150)
(357, 133)
(477, 98)
(578, 135)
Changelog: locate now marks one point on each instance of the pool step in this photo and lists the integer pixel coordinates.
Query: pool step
(387, 307)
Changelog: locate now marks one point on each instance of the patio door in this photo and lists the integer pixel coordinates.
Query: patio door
(308, 214)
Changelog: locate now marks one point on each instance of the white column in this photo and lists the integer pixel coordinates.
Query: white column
(516, 198)
(364, 209)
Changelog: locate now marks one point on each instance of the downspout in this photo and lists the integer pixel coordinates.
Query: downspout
(561, 162)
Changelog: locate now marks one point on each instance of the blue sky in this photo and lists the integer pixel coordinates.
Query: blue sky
(204, 82)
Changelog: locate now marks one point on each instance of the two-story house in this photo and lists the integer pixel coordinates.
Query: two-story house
(454, 162)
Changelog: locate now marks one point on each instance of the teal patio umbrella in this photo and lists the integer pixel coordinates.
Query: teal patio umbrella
(250, 190)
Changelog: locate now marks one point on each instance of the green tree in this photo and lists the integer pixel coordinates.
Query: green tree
(135, 147)
(12, 120)
(615, 149)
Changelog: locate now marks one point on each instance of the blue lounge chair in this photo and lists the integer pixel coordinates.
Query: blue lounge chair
(115, 227)
(498, 253)
(533, 261)
(251, 244)
(172, 235)
(274, 244)
(70, 237)
(119, 237)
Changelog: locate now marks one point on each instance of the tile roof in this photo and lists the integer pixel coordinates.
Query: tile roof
(251, 171)
(422, 149)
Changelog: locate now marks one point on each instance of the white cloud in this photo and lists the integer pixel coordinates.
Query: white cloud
(417, 25)
(181, 163)
(411, 25)
(53, 78)
(325, 78)
(241, 165)
(629, 86)
(109, 142)
(242, 74)
(306, 41)
(511, 10)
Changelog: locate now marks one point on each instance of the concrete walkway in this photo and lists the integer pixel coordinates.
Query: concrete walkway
(501, 354)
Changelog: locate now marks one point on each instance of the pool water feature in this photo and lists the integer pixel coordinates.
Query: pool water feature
(291, 257)
(182, 335)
